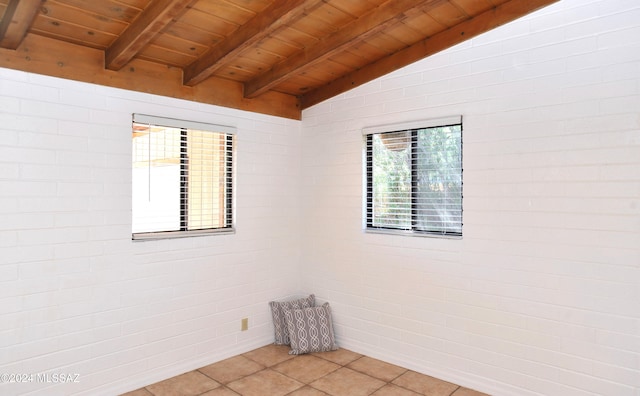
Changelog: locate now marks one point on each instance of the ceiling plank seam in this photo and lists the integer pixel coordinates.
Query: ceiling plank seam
(278, 14)
(375, 21)
(155, 18)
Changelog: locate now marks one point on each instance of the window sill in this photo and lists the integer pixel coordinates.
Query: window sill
(154, 236)
(411, 233)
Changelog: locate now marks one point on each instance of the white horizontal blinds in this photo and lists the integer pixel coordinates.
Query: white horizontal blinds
(209, 180)
(182, 177)
(414, 179)
(390, 206)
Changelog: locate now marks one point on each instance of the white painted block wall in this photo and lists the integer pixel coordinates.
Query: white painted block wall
(77, 295)
(541, 296)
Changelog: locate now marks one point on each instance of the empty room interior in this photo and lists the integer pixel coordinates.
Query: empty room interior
(458, 180)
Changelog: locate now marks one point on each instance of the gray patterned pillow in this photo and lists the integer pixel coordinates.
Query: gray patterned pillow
(311, 329)
(279, 321)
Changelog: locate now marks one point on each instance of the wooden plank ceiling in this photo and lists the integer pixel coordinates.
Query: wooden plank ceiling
(272, 57)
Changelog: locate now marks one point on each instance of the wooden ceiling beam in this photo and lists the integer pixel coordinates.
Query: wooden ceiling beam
(263, 24)
(141, 31)
(17, 19)
(373, 22)
(463, 31)
(43, 55)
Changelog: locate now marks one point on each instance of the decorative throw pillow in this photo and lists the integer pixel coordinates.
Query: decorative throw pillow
(310, 329)
(279, 321)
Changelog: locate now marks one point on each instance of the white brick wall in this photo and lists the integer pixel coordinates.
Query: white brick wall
(77, 295)
(542, 295)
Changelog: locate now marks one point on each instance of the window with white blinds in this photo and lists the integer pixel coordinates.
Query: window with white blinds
(414, 177)
(182, 178)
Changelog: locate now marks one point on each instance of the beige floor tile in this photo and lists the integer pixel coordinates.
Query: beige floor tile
(393, 390)
(377, 368)
(231, 369)
(307, 391)
(468, 392)
(270, 355)
(138, 392)
(265, 382)
(271, 371)
(347, 382)
(306, 368)
(221, 391)
(341, 356)
(191, 383)
(425, 384)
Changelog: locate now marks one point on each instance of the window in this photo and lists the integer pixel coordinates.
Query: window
(182, 178)
(414, 178)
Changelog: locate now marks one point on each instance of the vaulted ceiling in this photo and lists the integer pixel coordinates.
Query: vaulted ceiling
(273, 57)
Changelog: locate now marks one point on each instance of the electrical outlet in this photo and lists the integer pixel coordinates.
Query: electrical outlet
(244, 324)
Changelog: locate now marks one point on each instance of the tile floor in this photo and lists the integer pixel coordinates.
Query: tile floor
(271, 371)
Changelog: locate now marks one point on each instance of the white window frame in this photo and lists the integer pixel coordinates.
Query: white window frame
(230, 175)
(368, 200)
